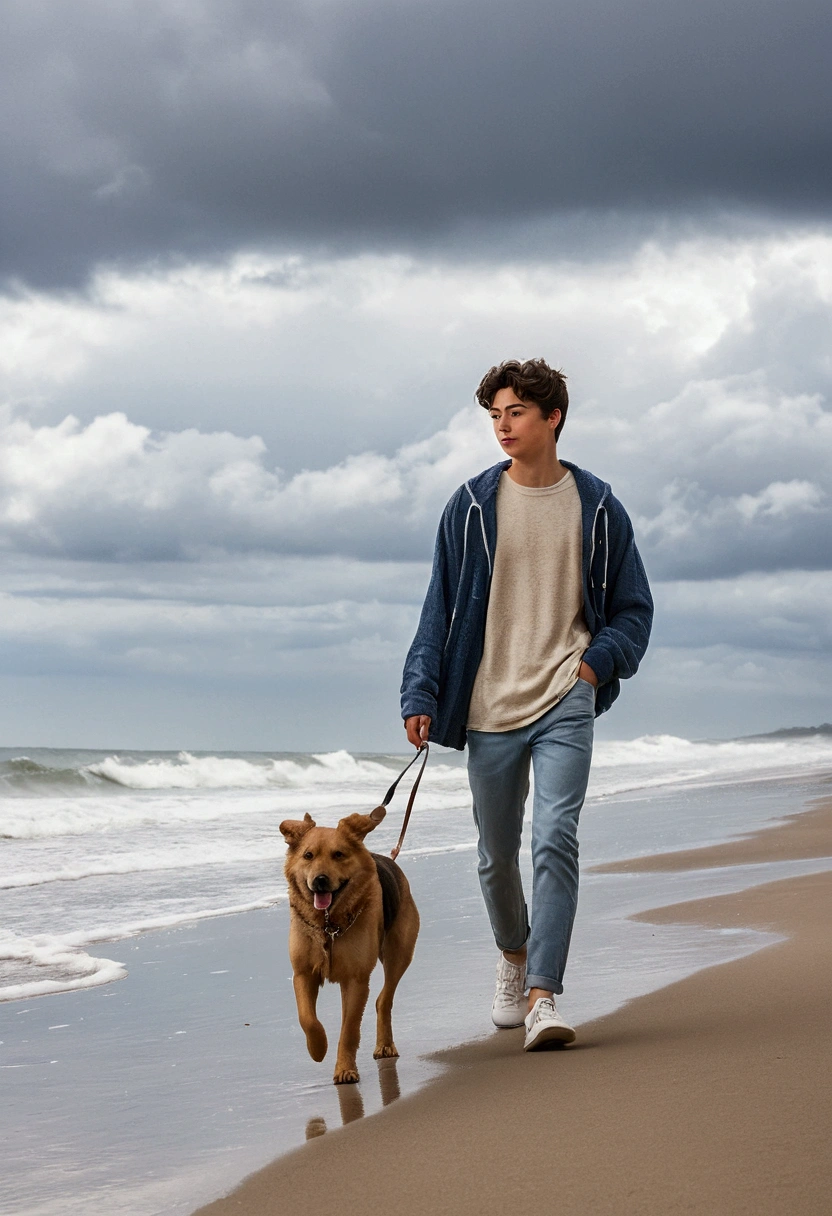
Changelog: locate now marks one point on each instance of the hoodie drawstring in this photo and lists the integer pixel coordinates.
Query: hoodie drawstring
(474, 506)
(598, 511)
(606, 547)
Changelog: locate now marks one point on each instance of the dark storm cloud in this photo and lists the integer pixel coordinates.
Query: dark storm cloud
(141, 130)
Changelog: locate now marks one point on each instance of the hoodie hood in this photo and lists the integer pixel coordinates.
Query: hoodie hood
(592, 489)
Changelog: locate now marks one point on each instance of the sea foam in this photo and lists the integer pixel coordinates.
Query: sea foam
(46, 964)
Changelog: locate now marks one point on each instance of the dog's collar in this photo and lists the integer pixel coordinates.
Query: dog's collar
(337, 930)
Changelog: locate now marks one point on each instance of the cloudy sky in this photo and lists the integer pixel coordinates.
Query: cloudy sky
(255, 258)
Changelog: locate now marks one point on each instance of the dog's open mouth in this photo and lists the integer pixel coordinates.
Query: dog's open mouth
(323, 899)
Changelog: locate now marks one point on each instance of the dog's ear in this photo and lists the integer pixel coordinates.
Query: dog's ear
(360, 825)
(295, 829)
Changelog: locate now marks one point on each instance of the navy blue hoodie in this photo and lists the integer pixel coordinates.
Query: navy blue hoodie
(442, 663)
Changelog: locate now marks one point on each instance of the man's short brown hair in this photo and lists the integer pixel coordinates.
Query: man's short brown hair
(534, 381)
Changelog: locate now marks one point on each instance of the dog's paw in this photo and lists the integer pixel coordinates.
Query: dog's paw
(316, 1043)
(345, 1076)
(385, 1052)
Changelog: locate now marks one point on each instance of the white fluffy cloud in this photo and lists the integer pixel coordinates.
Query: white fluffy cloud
(113, 491)
(239, 468)
(726, 476)
(332, 357)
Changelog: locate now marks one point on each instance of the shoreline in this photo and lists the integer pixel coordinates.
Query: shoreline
(705, 1095)
(796, 837)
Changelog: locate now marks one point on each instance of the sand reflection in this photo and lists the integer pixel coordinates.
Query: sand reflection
(388, 1079)
(351, 1101)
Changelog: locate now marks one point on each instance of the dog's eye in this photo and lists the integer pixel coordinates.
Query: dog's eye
(337, 855)
(308, 855)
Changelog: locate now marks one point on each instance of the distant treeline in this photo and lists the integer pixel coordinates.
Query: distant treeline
(796, 732)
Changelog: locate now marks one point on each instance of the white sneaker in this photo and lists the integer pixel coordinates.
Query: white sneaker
(545, 1025)
(510, 1003)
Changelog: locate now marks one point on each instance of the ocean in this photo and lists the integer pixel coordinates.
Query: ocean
(97, 847)
(148, 1038)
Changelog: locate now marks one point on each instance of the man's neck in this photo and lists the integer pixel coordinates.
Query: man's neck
(544, 470)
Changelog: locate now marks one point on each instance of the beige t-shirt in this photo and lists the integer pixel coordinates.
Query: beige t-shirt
(535, 631)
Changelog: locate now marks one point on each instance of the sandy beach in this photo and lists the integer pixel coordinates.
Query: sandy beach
(710, 1095)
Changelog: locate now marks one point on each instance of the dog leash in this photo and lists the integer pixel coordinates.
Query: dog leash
(331, 932)
(389, 795)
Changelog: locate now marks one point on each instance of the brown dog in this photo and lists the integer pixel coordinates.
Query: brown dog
(349, 908)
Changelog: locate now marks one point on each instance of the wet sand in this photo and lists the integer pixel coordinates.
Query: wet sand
(806, 834)
(709, 1096)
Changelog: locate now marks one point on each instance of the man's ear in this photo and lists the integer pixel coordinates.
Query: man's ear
(295, 829)
(360, 825)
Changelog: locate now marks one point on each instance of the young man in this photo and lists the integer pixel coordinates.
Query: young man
(538, 605)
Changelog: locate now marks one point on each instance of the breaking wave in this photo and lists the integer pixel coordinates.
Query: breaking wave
(661, 760)
(618, 765)
(189, 772)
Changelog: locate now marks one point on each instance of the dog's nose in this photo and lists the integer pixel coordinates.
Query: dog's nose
(320, 883)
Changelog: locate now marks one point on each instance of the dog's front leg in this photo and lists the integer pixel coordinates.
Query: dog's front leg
(307, 986)
(354, 994)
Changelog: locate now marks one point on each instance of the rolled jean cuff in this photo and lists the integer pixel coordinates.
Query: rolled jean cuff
(544, 982)
(512, 949)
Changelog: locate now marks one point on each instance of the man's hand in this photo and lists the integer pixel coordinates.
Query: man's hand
(417, 729)
(585, 672)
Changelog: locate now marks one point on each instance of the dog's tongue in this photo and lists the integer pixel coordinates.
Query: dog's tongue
(322, 900)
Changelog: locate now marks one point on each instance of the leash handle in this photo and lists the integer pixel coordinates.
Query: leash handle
(388, 796)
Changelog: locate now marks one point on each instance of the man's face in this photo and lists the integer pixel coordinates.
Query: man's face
(522, 431)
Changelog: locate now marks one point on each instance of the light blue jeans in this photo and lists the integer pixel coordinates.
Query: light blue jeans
(559, 746)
